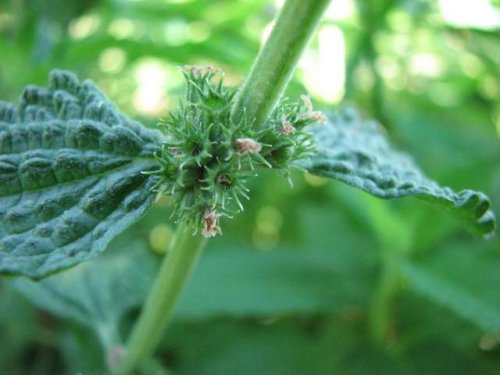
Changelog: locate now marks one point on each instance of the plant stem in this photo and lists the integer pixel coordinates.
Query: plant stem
(159, 307)
(395, 238)
(276, 61)
(387, 287)
(256, 100)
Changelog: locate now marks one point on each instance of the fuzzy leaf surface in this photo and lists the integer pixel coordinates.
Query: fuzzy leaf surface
(97, 294)
(70, 175)
(358, 153)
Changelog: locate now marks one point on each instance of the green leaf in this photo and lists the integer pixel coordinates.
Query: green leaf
(317, 344)
(232, 279)
(445, 277)
(357, 153)
(434, 340)
(70, 175)
(16, 337)
(97, 294)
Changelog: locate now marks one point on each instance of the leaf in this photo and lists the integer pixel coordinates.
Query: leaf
(316, 344)
(97, 294)
(232, 279)
(357, 153)
(70, 176)
(243, 282)
(434, 340)
(16, 337)
(461, 280)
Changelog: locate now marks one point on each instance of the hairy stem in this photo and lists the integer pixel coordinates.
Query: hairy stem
(174, 272)
(276, 61)
(256, 100)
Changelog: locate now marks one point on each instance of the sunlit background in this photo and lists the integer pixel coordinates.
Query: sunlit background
(298, 284)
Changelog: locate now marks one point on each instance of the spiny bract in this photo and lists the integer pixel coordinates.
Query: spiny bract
(207, 158)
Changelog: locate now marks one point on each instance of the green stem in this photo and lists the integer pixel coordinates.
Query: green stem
(395, 238)
(277, 59)
(381, 307)
(174, 272)
(256, 100)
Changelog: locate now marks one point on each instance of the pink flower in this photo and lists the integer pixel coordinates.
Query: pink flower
(210, 227)
(247, 146)
(311, 114)
(286, 127)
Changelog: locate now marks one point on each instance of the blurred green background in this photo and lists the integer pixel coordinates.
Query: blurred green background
(314, 279)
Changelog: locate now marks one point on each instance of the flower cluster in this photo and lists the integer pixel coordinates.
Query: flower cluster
(207, 158)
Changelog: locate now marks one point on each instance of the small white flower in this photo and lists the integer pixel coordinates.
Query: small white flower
(210, 227)
(311, 114)
(247, 146)
(316, 116)
(307, 102)
(286, 126)
(198, 70)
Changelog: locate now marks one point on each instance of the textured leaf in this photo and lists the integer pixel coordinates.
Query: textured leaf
(357, 152)
(70, 175)
(96, 294)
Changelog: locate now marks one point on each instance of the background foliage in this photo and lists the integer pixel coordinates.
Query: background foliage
(317, 279)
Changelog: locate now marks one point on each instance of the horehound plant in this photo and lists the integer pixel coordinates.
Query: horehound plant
(75, 172)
